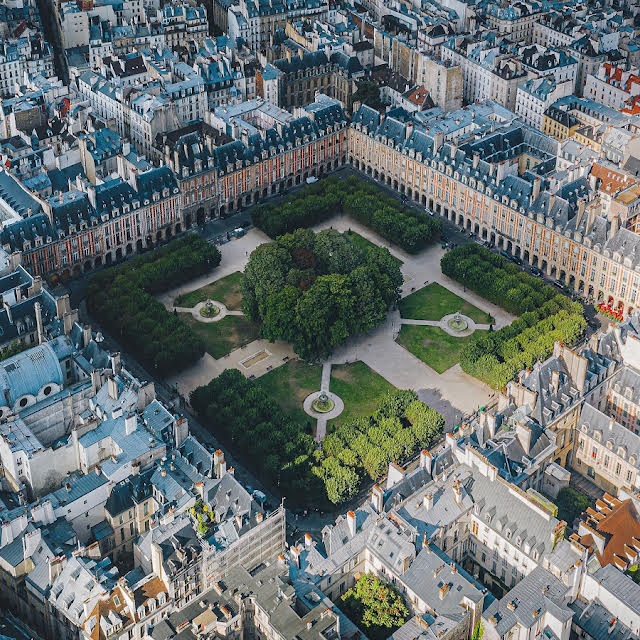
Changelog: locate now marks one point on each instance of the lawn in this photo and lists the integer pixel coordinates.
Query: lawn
(432, 345)
(227, 290)
(435, 301)
(221, 338)
(290, 384)
(362, 243)
(359, 387)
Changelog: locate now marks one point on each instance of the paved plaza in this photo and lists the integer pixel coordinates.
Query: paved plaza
(453, 393)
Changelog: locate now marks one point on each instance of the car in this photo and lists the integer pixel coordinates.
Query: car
(536, 272)
(505, 254)
(311, 179)
(516, 260)
(559, 284)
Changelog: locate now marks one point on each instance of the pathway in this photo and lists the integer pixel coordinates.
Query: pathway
(453, 393)
(321, 425)
(223, 312)
(443, 324)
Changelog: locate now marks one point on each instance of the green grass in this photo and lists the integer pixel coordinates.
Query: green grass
(290, 384)
(221, 338)
(432, 345)
(227, 290)
(362, 243)
(435, 301)
(359, 387)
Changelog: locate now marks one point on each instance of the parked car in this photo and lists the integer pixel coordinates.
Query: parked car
(536, 272)
(311, 179)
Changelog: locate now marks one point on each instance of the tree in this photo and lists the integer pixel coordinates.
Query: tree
(478, 631)
(376, 606)
(571, 504)
(368, 93)
(316, 290)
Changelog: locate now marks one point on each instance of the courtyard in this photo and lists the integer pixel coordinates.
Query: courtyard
(392, 355)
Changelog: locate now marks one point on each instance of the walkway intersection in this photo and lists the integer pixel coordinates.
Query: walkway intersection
(453, 393)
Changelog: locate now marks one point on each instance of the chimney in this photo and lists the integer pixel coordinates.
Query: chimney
(259, 517)
(555, 381)
(457, 492)
(615, 223)
(308, 540)
(453, 148)
(427, 501)
(524, 435)
(611, 423)
(426, 460)
(438, 139)
(239, 521)
(491, 424)
(535, 193)
(130, 423)
(38, 310)
(115, 363)
(476, 159)
(295, 556)
(376, 498)
(163, 472)
(351, 522)
(112, 388)
(86, 335)
(552, 201)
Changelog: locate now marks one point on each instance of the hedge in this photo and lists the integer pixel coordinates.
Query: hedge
(248, 419)
(121, 297)
(546, 315)
(409, 229)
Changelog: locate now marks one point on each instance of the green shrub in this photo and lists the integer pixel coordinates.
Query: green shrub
(405, 227)
(121, 297)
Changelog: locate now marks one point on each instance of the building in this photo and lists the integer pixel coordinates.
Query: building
(490, 71)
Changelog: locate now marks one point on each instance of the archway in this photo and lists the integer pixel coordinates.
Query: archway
(187, 221)
(476, 228)
(77, 270)
(129, 249)
(200, 216)
(158, 236)
(169, 233)
(108, 258)
(98, 261)
(139, 245)
(395, 185)
(543, 266)
(297, 179)
(525, 255)
(178, 228)
(509, 246)
(87, 266)
(119, 253)
(423, 200)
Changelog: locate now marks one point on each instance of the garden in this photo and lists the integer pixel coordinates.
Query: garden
(433, 346)
(121, 297)
(290, 384)
(227, 290)
(222, 337)
(434, 301)
(375, 607)
(248, 419)
(360, 388)
(367, 203)
(546, 316)
(315, 290)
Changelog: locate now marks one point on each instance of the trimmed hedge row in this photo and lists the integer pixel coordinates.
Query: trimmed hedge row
(367, 203)
(248, 418)
(121, 298)
(546, 315)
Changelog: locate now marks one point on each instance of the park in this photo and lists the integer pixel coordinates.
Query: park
(322, 354)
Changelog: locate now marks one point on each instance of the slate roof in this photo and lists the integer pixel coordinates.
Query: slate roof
(537, 593)
(27, 372)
